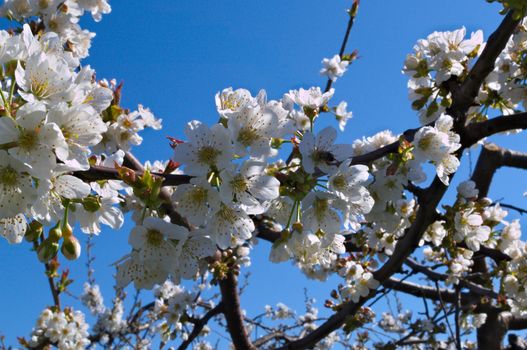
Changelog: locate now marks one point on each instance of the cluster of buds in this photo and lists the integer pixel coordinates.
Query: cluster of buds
(59, 236)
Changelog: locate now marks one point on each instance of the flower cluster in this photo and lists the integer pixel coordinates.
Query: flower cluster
(55, 120)
(172, 304)
(65, 329)
(358, 281)
(505, 87)
(437, 145)
(234, 179)
(111, 322)
(436, 59)
(392, 210)
(468, 225)
(60, 17)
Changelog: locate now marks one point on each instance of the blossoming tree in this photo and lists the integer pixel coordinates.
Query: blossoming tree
(368, 211)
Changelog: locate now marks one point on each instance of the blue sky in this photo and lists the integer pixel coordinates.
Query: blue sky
(173, 56)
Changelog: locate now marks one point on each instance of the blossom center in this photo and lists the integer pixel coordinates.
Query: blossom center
(226, 214)
(339, 182)
(28, 139)
(199, 195)
(239, 184)
(39, 86)
(154, 237)
(425, 142)
(68, 134)
(208, 155)
(230, 103)
(8, 176)
(247, 136)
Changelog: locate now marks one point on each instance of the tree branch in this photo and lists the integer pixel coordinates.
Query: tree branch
(345, 40)
(436, 276)
(233, 314)
(477, 131)
(97, 172)
(199, 324)
(421, 291)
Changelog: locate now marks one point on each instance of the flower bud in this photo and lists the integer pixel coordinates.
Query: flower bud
(34, 231)
(67, 231)
(47, 250)
(277, 142)
(297, 226)
(127, 175)
(55, 233)
(71, 248)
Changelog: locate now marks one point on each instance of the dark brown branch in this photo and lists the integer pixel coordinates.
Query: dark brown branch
(266, 229)
(494, 254)
(493, 157)
(233, 314)
(51, 281)
(491, 333)
(486, 166)
(345, 40)
(271, 336)
(474, 133)
(513, 207)
(54, 291)
(97, 172)
(456, 317)
(477, 131)
(383, 151)
(515, 322)
(427, 292)
(436, 276)
(200, 324)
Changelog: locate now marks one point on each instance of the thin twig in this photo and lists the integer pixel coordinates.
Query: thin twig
(200, 324)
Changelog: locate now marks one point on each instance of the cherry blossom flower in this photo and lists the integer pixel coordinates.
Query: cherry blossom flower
(249, 187)
(320, 152)
(207, 149)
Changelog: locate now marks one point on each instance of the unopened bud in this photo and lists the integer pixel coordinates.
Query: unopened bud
(171, 166)
(334, 294)
(71, 248)
(242, 251)
(297, 226)
(126, 174)
(34, 231)
(55, 234)
(276, 142)
(47, 250)
(67, 230)
(354, 8)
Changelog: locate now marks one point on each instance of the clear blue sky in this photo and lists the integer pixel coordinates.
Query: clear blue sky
(173, 56)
